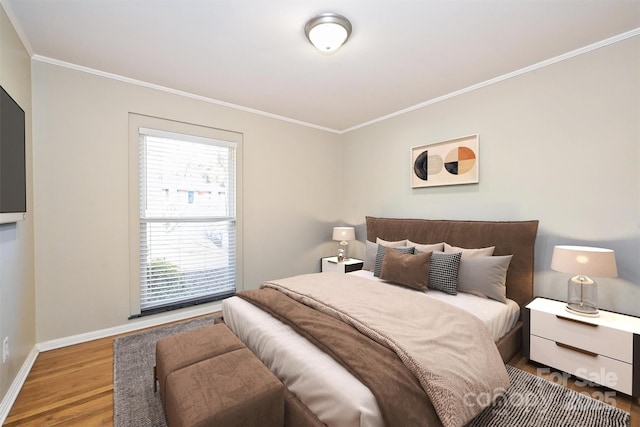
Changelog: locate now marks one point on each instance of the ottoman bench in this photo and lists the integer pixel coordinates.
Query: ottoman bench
(209, 377)
(178, 351)
(231, 390)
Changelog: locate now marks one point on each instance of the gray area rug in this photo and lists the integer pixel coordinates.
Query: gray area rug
(134, 356)
(533, 401)
(530, 401)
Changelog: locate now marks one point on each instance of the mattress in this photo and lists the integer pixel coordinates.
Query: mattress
(322, 384)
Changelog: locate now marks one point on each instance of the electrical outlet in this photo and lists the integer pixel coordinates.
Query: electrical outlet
(5, 349)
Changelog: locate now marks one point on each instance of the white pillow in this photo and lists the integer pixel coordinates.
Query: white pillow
(469, 253)
(372, 251)
(439, 247)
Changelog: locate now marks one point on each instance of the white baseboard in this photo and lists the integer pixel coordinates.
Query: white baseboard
(134, 325)
(12, 394)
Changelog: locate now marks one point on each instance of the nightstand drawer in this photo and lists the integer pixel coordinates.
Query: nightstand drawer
(595, 368)
(614, 343)
(346, 266)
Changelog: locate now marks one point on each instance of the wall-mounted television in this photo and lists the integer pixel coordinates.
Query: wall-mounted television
(13, 177)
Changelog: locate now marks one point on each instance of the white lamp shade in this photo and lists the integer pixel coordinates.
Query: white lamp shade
(584, 260)
(344, 233)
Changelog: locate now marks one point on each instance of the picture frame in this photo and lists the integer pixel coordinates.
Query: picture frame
(451, 162)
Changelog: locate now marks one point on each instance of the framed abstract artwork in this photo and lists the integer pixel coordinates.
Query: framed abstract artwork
(449, 162)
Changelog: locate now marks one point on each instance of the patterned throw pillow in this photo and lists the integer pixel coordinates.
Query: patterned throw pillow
(443, 272)
(377, 269)
(372, 251)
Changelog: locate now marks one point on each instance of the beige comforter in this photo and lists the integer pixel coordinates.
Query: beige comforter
(450, 351)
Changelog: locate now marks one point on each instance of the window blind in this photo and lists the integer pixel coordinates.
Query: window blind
(187, 219)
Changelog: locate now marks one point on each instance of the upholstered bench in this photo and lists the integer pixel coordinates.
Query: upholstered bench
(209, 377)
(231, 390)
(178, 351)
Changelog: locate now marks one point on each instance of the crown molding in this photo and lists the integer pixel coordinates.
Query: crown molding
(141, 83)
(621, 37)
(586, 49)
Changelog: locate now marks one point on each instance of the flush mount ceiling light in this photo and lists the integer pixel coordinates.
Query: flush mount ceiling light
(328, 31)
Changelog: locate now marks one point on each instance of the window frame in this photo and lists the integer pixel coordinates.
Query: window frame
(137, 122)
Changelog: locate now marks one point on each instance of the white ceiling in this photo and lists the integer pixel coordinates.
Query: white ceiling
(254, 55)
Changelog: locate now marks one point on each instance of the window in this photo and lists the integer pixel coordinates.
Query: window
(187, 220)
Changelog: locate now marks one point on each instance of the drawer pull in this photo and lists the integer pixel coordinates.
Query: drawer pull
(576, 321)
(579, 350)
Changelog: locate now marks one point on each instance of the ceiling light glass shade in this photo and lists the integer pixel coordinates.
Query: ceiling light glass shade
(328, 31)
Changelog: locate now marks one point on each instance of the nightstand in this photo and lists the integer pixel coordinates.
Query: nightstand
(346, 266)
(604, 350)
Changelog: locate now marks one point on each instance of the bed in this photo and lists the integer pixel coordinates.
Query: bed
(341, 377)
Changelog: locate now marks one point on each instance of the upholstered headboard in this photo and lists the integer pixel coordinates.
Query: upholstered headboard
(515, 238)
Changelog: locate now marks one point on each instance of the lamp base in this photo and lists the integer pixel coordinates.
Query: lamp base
(582, 310)
(582, 296)
(342, 251)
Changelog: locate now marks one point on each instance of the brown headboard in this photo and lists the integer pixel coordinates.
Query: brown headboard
(515, 238)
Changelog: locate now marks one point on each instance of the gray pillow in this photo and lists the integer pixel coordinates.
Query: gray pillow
(372, 250)
(485, 276)
(443, 272)
(370, 256)
(377, 269)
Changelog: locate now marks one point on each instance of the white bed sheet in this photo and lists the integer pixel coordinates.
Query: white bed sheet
(321, 383)
(499, 318)
(325, 386)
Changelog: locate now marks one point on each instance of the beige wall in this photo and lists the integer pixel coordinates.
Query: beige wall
(81, 189)
(17, 292)
(560, 144)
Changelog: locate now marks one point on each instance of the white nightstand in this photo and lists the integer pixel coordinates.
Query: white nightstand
(346, 266)
(604, 350)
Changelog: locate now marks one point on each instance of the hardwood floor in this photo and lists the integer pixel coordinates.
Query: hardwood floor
(73, 386)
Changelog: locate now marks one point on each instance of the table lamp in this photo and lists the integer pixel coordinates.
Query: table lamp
(584, 262)
(343, 235)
